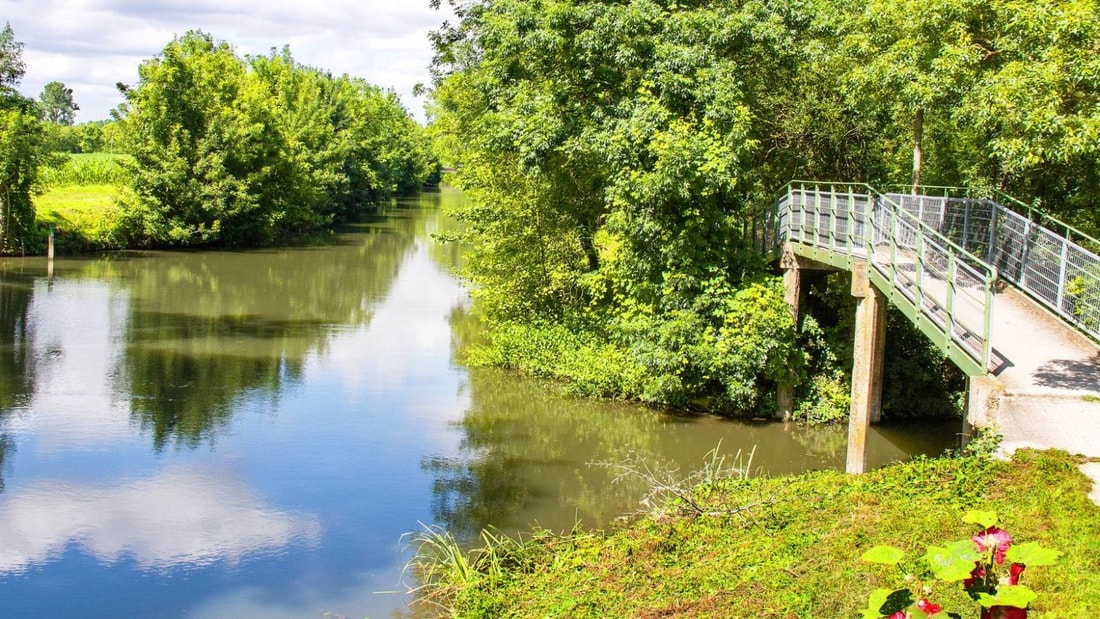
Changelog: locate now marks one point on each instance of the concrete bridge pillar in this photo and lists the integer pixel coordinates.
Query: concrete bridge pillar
(867, 365)
(793, 294)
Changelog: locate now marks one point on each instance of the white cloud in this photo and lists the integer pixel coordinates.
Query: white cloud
(75, 347)
(184, 516)
(92, 44)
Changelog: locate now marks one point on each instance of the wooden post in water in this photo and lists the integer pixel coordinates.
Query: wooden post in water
(49, 255)
(867, 365)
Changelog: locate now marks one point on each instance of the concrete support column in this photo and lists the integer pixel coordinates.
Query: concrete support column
(867, 365)
(983, 401)
(792, 294)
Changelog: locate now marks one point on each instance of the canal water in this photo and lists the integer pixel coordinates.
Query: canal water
(251, 433)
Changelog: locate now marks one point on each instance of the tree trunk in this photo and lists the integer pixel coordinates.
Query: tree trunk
(589, 248)
(918, 142)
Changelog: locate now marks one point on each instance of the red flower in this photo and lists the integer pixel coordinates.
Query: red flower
(995, 538)
(1004, 612)
(929, 608)
(975, 574)
(897, 615)
(1014, 572)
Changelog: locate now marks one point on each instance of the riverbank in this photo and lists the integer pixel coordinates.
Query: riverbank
(790, 546)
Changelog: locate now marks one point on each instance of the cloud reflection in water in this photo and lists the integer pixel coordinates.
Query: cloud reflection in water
(187, 516)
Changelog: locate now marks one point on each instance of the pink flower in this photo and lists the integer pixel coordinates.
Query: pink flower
(897, 615)
(1014, 572)
(995, 538)
(929, 608)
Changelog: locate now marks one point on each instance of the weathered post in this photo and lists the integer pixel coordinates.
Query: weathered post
(49, 255)
(983, 402)
(792, 294)
(867, 365)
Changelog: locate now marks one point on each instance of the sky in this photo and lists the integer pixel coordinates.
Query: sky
(90, 45)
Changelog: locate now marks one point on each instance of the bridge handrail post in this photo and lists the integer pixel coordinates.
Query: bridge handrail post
(952, 275)
(920, 269)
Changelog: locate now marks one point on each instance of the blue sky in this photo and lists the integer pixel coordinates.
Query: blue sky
(92, 44)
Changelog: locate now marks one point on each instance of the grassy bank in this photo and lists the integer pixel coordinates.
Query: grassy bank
(81, 201)
(793, 551)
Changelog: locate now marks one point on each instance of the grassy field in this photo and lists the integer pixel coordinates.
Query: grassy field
(81, 201)
(794, 550)
(87, 169)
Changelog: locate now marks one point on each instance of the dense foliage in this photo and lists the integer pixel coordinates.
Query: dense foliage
(614, 150)
(22, 149)
(246, 150)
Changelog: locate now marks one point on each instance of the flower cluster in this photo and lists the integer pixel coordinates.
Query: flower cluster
(979, 563)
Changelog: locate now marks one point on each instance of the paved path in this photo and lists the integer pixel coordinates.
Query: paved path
(1051, 377)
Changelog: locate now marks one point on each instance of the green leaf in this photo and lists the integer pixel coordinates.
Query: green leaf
(1017, 596)
(979, 517)
(953, 562)
(897, 601)
(875, 602)
(884, 554)
(1032, 554)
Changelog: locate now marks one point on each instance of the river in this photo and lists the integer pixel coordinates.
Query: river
(251, 433)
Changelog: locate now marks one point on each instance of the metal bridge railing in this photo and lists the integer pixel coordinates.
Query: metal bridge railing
(944, 289)
(1041, 255)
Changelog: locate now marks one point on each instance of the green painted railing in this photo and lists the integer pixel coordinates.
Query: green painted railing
(944, 289)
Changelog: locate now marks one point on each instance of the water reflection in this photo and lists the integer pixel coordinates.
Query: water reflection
(248, 434)
(183, 516)
(16, 293)
(527, 456)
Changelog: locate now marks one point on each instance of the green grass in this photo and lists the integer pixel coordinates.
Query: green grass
(86, 169)
(87, 217)
(796, 552)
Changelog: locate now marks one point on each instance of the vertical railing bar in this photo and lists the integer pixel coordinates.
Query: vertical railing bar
(919, 272)
(951, 273)
(994, 211)
(966, 224)
(1062, 278)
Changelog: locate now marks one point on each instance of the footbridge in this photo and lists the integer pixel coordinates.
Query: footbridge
(1011, 296)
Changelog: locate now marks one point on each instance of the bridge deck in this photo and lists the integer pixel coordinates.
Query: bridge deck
(1051, 376)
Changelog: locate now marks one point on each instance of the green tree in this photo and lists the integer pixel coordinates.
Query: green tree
(57, 104)
(608, 152)
(245, 151)
(21, 149)
(208, 164)
(12, 67)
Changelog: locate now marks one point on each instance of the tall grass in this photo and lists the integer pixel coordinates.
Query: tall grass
(87, 169)
(444, 570)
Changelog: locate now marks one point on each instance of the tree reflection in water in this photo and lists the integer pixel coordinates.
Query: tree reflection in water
(16, 359)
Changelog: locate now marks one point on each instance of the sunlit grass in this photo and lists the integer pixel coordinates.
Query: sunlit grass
(87, 217)
(86, 169)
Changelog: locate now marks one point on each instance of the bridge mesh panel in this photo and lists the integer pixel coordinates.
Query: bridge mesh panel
(1055, 271)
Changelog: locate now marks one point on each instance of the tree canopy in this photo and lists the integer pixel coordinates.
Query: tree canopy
(239, 150)
(57, 103)
(22, 148)
(614, 150)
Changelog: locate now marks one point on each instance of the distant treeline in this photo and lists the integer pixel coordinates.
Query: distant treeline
(223, 149)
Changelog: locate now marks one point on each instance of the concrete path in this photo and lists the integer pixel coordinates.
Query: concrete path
(1051, 378)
